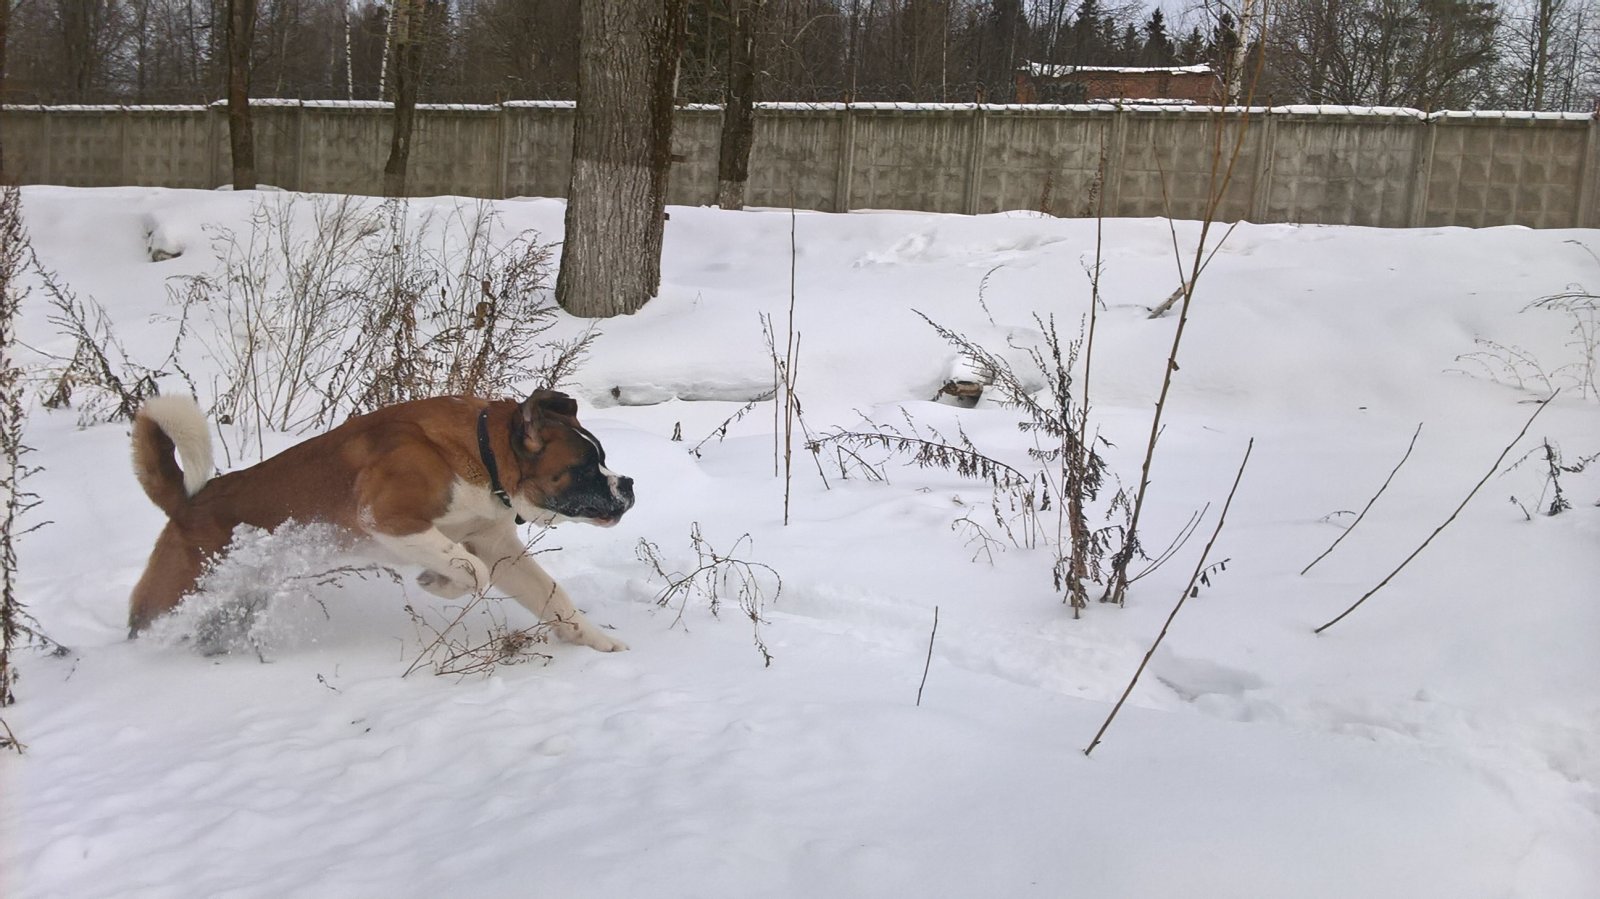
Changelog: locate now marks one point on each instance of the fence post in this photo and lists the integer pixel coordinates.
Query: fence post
(847, 153)
(122, 142)
(212, 118)
(1421, 171)
(300, 146)
(1261, 190)
(502, 185)
(975, 161)
(1112, 185)
(1588, 169)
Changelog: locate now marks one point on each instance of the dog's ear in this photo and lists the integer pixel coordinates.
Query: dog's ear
(534, 409)
(552, 401)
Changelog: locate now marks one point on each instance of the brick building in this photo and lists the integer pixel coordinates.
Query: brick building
(1044, 83)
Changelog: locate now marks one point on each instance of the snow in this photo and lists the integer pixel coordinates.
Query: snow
(1048, 70)
(1442, 741)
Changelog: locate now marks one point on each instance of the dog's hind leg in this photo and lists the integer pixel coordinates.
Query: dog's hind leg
(441, 586)
(174, 566)
(515, 572)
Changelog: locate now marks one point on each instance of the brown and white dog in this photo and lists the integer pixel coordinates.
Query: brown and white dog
(420, 480)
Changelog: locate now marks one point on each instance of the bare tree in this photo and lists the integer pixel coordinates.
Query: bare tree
(1429, 54)
(621, 152)
(738, 105)
(408, 32)
(1548, 55)
(241, 132)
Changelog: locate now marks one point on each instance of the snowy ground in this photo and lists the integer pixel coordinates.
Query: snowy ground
(1442, 741)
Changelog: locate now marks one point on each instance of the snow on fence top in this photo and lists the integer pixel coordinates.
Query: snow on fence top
(1050, 70)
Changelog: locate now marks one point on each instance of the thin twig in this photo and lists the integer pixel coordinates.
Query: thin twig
(1178, 543)
(1369, 502)
(1447, 521)
(1188, 590)
(929, 661)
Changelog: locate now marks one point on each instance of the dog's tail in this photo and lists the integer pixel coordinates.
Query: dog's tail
(165, 424)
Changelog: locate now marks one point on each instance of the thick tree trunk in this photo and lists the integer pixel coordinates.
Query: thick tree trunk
(409, 19)
(621, 153)
(738, 106)
(241, 133)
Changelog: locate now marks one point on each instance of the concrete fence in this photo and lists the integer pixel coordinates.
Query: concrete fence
(1327, 165)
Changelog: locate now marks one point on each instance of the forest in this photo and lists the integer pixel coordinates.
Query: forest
(1427, 54)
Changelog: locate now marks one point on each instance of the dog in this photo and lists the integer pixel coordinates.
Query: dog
(441, 483)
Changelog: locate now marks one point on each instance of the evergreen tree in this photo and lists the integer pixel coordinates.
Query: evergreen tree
(1222, 47)
(1192, 50)
(1108, 42)
(1129, 47)
(1085, 46)
(1157, 49)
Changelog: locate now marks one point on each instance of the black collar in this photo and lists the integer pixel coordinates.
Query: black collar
(486, 454)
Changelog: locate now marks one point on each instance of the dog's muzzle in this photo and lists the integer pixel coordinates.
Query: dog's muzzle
(602, 501)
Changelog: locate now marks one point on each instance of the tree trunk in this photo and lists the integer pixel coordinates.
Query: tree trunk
(5, 23)
(349, 66)
(241, 134)
(1544, 21)
(621, 153)
(409, 18)
(738, 106)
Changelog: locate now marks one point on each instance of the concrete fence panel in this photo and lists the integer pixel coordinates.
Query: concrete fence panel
(342, 150)
(454, 152)
(1342, 169)
(696, 133)
(537, 148)
(800, 154)
(1170, 165)
(907, 159)
(170, 150)
(1507, 172)
(86, 147)
(1045, 162)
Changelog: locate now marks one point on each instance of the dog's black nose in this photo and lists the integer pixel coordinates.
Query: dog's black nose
(625, 487)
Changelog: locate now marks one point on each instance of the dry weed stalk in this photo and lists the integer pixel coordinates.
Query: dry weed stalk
(1554, 467)
(714, 576)
(17, 627)
(786, 372)
(721, 431)
(372, 308)
(1074, 472)
(107, 390)
(474, 637)
(1224, 161)
(451, 647)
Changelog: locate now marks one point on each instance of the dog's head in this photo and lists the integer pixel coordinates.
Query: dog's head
(563, 466)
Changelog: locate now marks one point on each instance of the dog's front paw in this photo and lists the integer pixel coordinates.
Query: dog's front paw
(596, 639)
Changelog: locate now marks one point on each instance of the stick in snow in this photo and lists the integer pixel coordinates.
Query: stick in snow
(1414, 553)
(1199, 567)
(929, 662)
(1369, 502)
